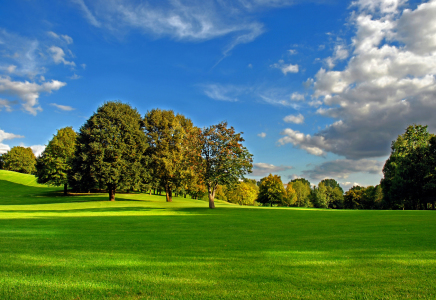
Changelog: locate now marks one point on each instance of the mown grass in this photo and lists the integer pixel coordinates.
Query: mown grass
(140, 247)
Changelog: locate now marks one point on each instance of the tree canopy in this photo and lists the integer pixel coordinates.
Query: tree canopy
(19, 159)
(271, 190)
(166, 133)
(110, 150)
(218, 156)
(54, 164)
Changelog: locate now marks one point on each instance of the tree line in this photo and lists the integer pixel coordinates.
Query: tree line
(118, 150)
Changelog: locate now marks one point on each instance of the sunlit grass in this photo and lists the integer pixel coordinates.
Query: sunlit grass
(140, 247)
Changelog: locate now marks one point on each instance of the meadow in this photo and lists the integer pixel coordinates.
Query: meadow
(141, 247)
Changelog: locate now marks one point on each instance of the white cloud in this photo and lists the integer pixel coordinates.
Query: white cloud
(7, 104)
(58, 56)
(311, 144)
(37, 149)
(262, 135)
(83, 66)
(292, 51)
(388, 83)
(262, 169)
(75, 77)
(64, 37)
(7, 136)
(342, 168)
(62, 107)
(88, 15)
(348, 185)
(28, 92)
(298, 119)
(223, 92)
(297, 97)
(285, 68)
(11, 68)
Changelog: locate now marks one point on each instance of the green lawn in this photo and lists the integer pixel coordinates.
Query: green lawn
(140, 247)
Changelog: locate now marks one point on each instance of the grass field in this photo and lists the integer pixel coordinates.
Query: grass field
(140, 247)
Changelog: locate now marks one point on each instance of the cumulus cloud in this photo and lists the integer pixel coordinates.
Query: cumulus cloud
(28, 92)
(262, 169)
(342, 168)
(311, 144)
(388, 83)
(348, 185)
(62, 107)
(37, 149)
(298, 119)
(285, 68)
(262, 135)
(58, 56)
(7, 136)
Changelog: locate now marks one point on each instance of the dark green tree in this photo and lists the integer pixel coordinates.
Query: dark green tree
(19, 159)
(54, 164)
(110, 150)
(218, 157)
(271, 190)
(406, 170)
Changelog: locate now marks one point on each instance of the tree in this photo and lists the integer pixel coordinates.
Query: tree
(333, 184)
(302, 189)
(166, 134)
(19, 159)
(353, 197)
(406, 170)
(54, 164)
(271, 190)
(243, 193)
(217, 155)
(319, 197)
(291, 195)
(110, 150)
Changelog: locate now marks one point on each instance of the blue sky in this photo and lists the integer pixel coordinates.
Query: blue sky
(319, 88)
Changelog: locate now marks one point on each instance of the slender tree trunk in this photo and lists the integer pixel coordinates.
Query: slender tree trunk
(168, 193)
(211, 192)
(65, 189)
(111, 192)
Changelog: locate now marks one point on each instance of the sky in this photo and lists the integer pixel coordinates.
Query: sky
(320, 88)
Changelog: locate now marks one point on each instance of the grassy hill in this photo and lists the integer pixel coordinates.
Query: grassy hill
(140, 247)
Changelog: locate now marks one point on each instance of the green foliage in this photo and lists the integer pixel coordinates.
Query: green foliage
(302, 189)
(243, 193)
(291, 196)
(318, 196)
(166, 133)
(19, 159)
(271, 190)
(54, 164)
(332, 184)
(218, 157)
(409, 170)
(110, 150)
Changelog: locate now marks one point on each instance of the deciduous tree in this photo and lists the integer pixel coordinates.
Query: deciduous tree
(110, 150)
(271, 190)
(19, 159)
(54, 164)
(218, 156)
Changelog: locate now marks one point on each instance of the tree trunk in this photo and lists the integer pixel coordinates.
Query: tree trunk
(65, 189)
(111, 193)
(211, 192)
(168, 193)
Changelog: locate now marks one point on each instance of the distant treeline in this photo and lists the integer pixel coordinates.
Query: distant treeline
(118, 150)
